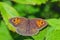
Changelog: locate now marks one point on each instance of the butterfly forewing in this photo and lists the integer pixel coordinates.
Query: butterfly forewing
(39, 23)
(20, 24)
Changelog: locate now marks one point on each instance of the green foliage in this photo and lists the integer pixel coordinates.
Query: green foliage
(55, 23)
(4, 33)
(7, 14)
(25, 9)
(46, 9)
(32, 2)
(53, 35)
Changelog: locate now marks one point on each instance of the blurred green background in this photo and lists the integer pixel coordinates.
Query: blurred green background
(48, 10)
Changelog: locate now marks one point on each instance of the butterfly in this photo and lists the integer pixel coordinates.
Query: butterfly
(27, 27)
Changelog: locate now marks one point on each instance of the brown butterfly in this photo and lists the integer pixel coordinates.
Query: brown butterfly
(28, 27)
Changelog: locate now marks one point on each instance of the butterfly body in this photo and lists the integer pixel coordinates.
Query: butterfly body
(28, 27)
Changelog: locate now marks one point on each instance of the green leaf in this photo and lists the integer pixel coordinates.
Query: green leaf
(26, 9)
(31, 16)
(8, 12)
(55, 23)
(53, 34)
(33, 2)
(4, 33)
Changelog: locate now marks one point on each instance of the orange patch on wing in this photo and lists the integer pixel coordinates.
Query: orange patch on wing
(16, 21)
(39, 23)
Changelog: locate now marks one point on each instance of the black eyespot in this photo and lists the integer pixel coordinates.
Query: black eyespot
(14, 20)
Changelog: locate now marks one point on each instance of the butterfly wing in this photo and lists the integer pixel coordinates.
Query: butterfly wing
(32, 28)
(28, 27)
(39, 23)
(20, 24)
(35, 25)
